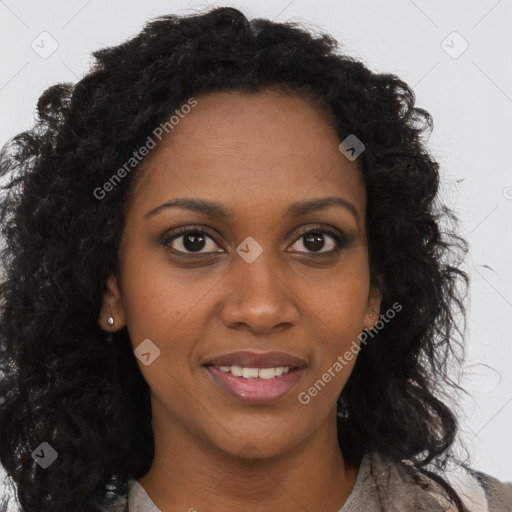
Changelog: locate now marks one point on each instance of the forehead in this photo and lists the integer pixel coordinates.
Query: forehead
(259, 149)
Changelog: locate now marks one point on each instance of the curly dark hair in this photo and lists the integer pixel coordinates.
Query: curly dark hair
(62, 384)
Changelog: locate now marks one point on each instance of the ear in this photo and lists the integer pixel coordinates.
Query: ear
(372, 310)
(111, 307)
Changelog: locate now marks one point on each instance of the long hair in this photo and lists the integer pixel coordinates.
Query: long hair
(62, 384)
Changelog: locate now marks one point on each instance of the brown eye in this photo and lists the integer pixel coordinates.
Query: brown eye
(315, 240)
(191, 241)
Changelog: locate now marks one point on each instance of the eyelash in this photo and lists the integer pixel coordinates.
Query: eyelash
(340, 240)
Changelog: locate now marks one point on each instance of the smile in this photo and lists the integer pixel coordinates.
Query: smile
(255, 377)
(254, 373)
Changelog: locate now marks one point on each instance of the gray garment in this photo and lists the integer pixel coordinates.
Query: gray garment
(383, 485)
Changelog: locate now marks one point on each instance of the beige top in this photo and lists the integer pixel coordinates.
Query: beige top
(385, 485)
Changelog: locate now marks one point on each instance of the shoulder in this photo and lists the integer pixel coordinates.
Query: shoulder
(478, 491)
(138, 499)
(498, 494)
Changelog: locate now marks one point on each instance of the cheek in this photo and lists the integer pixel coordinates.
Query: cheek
(338, 300)
(155, 296)
(346, 325)
(338, 308)
(334, 361)
(159, 309)
(162, 304)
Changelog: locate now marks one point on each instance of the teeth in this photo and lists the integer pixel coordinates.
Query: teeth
(237, 371)
(250, 373)
(254, 373)
(267, 373)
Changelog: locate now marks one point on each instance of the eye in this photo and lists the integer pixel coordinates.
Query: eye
(190, 241)
(313, 240)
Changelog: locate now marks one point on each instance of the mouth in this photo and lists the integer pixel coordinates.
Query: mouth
(256, 378)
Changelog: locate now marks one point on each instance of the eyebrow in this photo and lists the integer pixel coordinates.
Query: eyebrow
(217, 210)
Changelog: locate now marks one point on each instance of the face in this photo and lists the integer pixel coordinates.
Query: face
(260, 283)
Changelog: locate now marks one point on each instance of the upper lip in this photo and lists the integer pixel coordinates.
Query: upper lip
(250, 359)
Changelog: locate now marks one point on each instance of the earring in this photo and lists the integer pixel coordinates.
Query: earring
(372, 315)
(110, 321)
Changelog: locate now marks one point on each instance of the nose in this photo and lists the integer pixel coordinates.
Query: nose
(260, 296)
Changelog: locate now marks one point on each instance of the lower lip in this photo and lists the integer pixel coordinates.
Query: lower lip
(256, 391)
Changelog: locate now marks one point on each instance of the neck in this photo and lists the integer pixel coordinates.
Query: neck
(189, 473)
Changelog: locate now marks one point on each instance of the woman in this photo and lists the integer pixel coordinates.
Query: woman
(226, 286)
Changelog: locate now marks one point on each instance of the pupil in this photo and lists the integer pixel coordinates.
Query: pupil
(314, 241)
(194, 242)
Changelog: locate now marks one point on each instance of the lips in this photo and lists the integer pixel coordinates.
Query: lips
(240, 375)
(250, 359)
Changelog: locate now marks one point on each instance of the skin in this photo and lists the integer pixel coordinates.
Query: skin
(255, 154)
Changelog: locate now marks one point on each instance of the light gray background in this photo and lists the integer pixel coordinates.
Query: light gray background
(469, 96)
